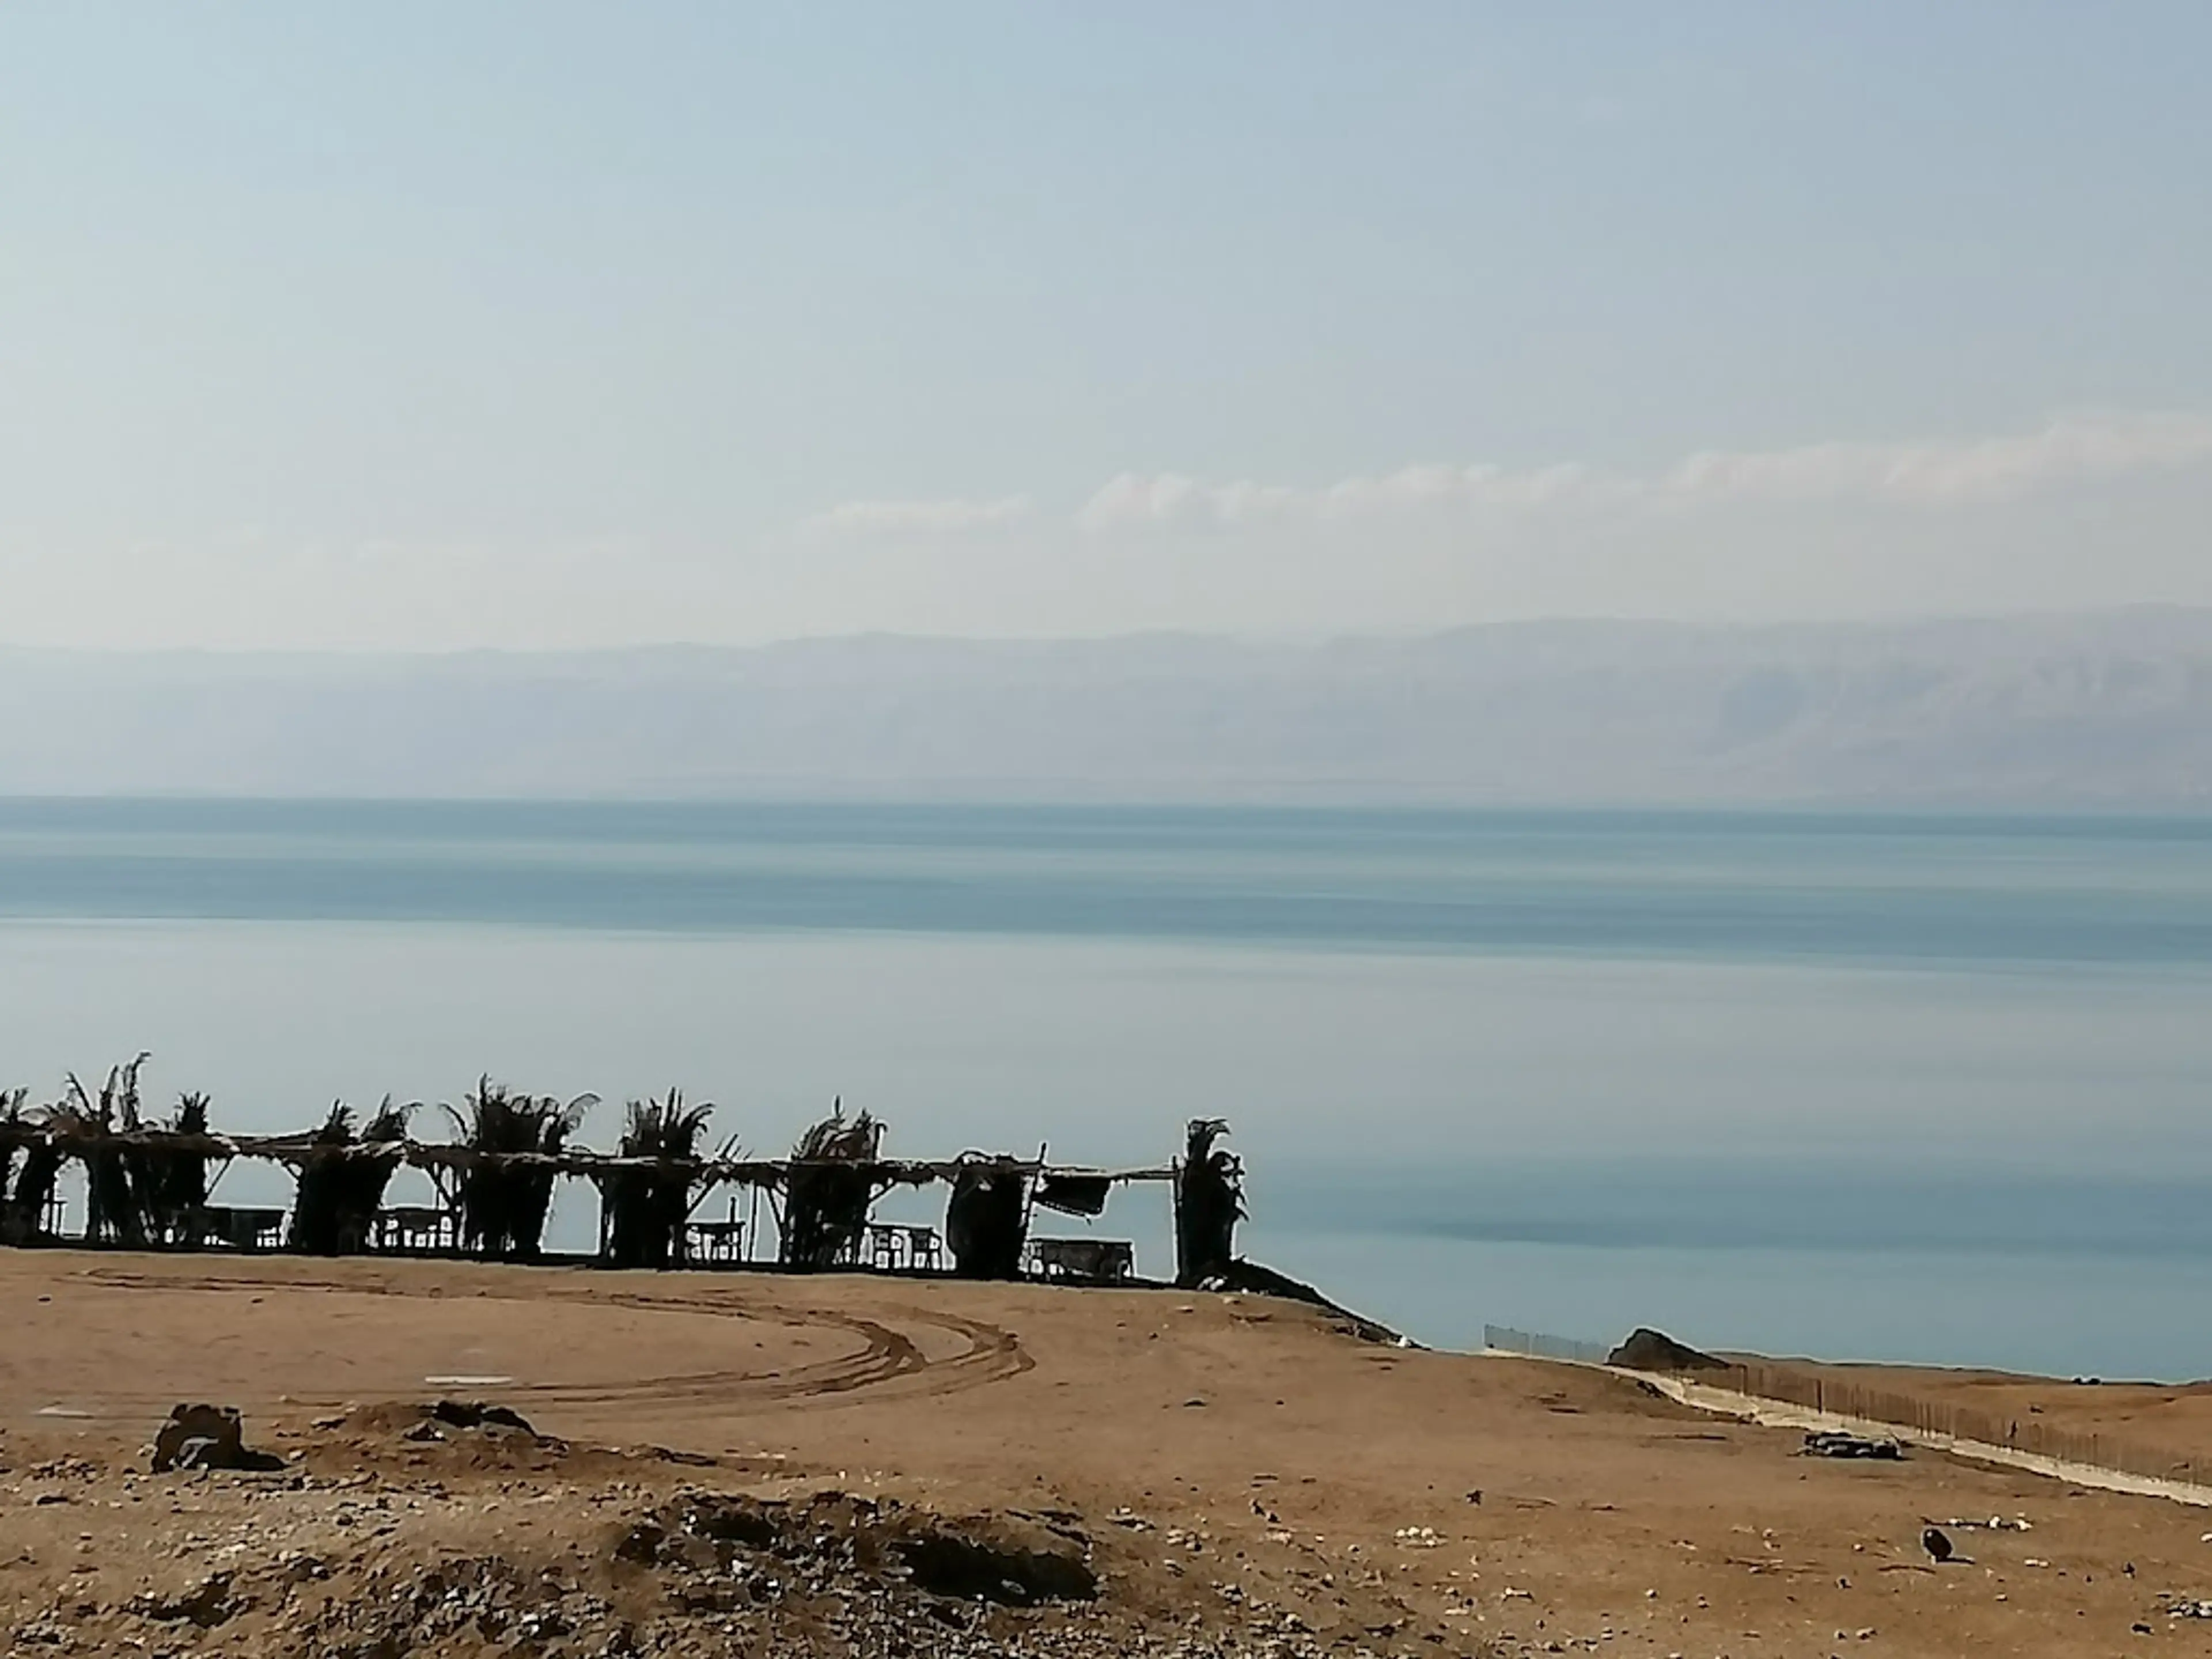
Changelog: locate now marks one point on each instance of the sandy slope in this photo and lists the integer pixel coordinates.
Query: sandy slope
(1299, 1452)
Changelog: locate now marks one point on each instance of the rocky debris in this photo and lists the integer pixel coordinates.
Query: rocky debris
(948, 1563)
(475, 1414)
(1647, 1350)
(447, 1419)
(1835, 1443)
(207, 1438)
(367, 1548)
(301, 1567)
(2184, 1607)
(832, 1573)
(453, 1434)
(457, 1602)
(998, 1559)
(207, 1605)
(65, 1468)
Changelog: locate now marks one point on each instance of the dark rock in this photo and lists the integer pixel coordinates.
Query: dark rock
(207, 1438)
(1647, 1350)
(206, 1605)
(1830, 1442)
(215, 1434)
(972, 1569)
(1252, 1278)
(475, 1414)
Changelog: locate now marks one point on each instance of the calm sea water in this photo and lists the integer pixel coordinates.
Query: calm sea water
(1908, 1087)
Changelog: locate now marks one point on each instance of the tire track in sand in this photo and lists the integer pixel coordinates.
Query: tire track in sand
(886, 1357)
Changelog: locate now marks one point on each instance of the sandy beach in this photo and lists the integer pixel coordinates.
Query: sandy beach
(1242, 1474)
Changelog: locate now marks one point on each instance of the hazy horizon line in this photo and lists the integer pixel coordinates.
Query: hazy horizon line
(1278, 638)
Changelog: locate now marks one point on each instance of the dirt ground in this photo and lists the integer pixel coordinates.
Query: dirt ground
(1238, 1475)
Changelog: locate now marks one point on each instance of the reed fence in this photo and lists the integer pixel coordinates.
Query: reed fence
(1504, 1339)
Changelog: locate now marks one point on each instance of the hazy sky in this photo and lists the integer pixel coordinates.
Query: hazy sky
(443, 324)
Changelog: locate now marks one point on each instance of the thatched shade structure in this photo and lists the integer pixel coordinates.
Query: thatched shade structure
(504, 1203)
(174, 1174)
(1209, 1202)
(342, 1177)
(987, 1219)
(828, 1188)
(28, 1167)
(647, 1201)
(86, 1125)
(145, 1183)
(36, 1180)
(151, 1181)
(14, 1133)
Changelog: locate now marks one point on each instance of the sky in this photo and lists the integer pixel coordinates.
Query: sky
(437, 326)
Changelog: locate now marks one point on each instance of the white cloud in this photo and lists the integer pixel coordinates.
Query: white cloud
(1171, 500)
(950, 516)
(2069, 449)
(1164, 498)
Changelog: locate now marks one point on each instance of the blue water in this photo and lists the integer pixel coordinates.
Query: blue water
(2131, 891)
(1925, 1088)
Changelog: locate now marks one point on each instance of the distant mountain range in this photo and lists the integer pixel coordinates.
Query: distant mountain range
(2111, 709)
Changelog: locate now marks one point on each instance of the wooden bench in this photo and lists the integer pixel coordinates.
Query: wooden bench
(1083, 1261)
(244, 1230)
(891, 1247)
(924, 1251)
(410, 1228)
(716, 1241)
